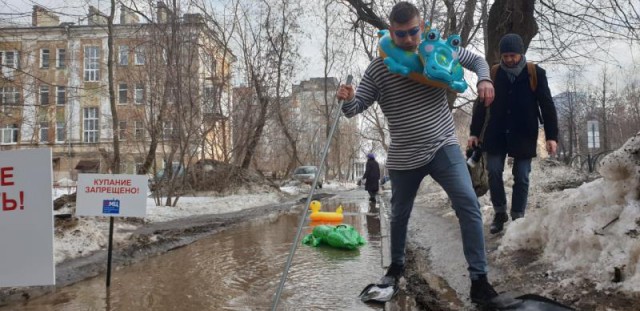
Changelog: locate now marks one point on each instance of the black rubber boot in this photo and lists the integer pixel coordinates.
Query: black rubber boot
(393, 274)
(498, 222)
(515, 216)
(482, 292)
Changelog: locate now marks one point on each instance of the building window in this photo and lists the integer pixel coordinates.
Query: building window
(44, 58)
(172, 94)
(208, 100)
(60, 59)
(90, 125)
(124, 168)
(44, 95)
(9, 59)
(122, 130)
(123, 55)
(9, 95)
(61, 99)
(139, 166)
(91, 63)
(60, 132)
(139, 130)
(9, 134)
(44, 132)
(139, 93)
(167, 130)
(139, 57)
(122, 93)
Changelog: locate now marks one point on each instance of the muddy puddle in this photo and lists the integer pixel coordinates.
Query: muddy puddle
(237, 269)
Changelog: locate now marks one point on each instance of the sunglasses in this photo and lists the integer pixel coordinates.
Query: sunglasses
(403, 33)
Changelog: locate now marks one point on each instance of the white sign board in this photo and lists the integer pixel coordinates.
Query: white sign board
(112, 195)
(593, 135)
(26, 218)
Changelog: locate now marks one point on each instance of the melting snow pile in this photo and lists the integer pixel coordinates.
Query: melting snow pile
(593, 230)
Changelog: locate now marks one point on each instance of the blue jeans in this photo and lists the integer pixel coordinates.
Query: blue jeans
(521, 169)
(449, 169)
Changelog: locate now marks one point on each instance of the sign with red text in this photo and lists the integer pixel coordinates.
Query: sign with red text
(26, 218)
(112, 195)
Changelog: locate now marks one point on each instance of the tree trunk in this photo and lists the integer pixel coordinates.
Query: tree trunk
(260, 122)
(605, 139)
(366, 14)
(115, 163)
(509, 16)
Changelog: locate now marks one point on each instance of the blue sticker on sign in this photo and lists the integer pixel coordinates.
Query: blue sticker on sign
(111, 206)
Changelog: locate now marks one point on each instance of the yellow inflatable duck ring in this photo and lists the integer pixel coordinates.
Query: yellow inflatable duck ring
(317, 215)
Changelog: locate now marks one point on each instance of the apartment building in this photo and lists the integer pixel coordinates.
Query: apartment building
(170, 79)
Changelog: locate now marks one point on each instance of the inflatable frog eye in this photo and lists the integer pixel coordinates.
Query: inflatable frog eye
(454, 41)
(432, 35)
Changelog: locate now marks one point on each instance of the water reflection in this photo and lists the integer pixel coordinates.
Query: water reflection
(238, 269)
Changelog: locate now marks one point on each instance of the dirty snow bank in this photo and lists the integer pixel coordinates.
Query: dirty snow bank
(592, 230)
(190, 206)
(296, 188)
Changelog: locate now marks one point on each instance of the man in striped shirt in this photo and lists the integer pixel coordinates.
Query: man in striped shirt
(423, 142)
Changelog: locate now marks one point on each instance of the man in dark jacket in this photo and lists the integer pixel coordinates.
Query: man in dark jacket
(371, 177)
(512, 127)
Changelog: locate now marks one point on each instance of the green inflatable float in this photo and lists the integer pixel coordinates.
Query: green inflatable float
(340, 236)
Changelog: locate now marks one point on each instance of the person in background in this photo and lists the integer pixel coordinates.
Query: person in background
(372, 177)
(512, 127)
(423, 142)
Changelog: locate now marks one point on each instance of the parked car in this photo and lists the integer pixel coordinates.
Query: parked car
(306, 174)
(178, 171)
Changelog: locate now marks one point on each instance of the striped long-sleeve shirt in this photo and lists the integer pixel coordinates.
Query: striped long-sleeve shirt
(419, 119)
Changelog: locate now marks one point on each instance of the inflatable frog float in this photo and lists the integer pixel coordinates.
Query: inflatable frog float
(436, 64)
(340, 236)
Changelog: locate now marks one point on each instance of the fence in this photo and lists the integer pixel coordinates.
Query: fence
(588, 162)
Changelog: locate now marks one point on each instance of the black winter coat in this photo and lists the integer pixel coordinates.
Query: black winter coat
(372, 175)
(513, 115)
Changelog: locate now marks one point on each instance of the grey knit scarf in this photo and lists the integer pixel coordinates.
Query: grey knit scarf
(513, 72)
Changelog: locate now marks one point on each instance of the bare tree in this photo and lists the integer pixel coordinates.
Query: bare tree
(218, 105)
(172, 47)
(367, 13)
(604, 98)
(281, 27)
(575, 31)
(570, 106)
(115, 162)
(256, 69)
(631, 109)
(156, 74)
(509, 16)
(379, 129)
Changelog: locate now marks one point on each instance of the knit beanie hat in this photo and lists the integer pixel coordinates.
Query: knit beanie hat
(511, 43)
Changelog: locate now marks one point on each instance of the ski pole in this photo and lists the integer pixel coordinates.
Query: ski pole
(283, 279)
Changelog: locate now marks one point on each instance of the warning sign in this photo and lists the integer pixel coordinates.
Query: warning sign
(112, 195)
(26, 218)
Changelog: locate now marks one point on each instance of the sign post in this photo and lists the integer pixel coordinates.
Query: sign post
(26, 218)
(112, 196)
(593, 140)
